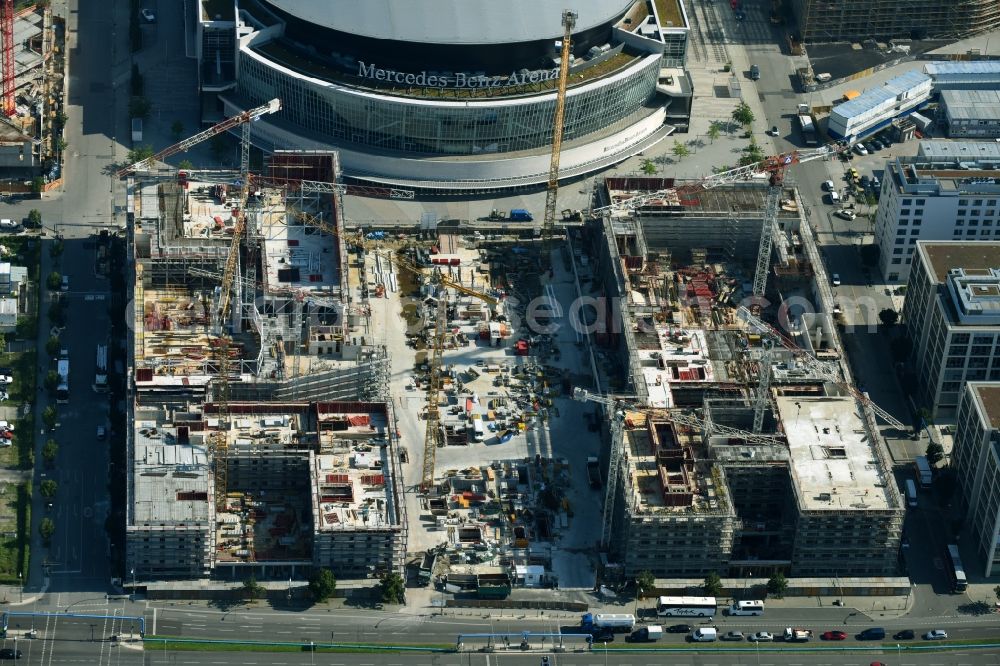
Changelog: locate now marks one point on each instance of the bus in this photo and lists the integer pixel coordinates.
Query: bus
(911, 493)
(686, 606)
(959, 583)
(752, 607)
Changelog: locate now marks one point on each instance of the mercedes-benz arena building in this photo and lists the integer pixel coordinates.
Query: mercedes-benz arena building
(451, 95)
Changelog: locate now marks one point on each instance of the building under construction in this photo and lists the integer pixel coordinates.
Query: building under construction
(291, 462)
(820, 21)
(739, 449)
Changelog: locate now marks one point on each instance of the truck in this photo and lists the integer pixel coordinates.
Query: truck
(808, 129)
(101, 370)
(923, 471)
(493, 586)
(797, 635)
(476, 430)
(613, 621)
(594, 472)
(515, 215)
(653, 632)
(62, 368)
(136, 130)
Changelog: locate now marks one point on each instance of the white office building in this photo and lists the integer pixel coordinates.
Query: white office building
(952, 317)
(978, 75)
(875, 108)
(976, 457)
(948, 191)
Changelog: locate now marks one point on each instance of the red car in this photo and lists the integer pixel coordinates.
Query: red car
(834, 636)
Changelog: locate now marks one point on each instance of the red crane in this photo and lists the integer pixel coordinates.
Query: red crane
(7, 34)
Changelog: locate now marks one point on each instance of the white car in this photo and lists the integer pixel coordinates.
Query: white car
(936, 635)
(760, 637)
(828, 186)
(147, 15)
(6, 379)
(846, 213)
(860, 150)
(835, 279)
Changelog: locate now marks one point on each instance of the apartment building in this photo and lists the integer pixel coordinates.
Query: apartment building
(952, 317)
(976, 457)
(948, 191)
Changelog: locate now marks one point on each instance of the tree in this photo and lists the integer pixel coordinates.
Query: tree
(176, 130)
(139, 107)
(648, 167)
(714, 130)
(26, 328)
(53, 281)
(37, 185)
(49, 417)
(56, 248)
(185, 164)
(34, 218)
(48, 488)
(752, 153)
(777, 584)
(51, 381)
(52, 346)
(934, 453)
(996, 591)
(888, 317)
(393, 589)
(644, 582)
(49, 451)
(252, 589)
(139, 153)
(322, 584)
(57, 313)
(61, 145)
(712, 585)
(59, 120)
(680, 150)
(743, 115)
(46, 528)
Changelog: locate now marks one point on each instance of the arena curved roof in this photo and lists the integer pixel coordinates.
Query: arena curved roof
(452, 21)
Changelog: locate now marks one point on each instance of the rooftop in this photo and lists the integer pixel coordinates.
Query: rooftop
(972, 104)
(946, 67)
(670, 13)
(872, 98)
(989, 397)
(682, 357)
(172, 475)
(942, 256)
(298, 258)
(218, 10)
(831, 457)
(960, 151)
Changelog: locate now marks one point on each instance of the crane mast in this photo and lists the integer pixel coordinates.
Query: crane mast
(552, 193)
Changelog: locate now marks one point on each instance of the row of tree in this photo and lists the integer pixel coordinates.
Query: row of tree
(323, 585)
(776, 584)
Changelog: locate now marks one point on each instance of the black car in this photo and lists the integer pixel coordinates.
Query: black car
(603, 636)
(886, 141)
(9, 653)
(904, 635)
(679, 629)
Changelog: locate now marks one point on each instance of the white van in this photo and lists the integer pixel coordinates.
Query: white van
(8, 225)
(704, 635)
(754, 607)
(823, 78)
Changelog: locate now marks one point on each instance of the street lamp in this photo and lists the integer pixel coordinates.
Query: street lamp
(20, 585)
(312, 652)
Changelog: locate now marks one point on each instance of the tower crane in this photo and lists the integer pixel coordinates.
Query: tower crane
(7, 34)
(229, 123)
(807, 360)
(616, 406)
(551, 194)
(774, 167)
(432, 432)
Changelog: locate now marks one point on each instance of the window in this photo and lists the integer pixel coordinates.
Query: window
(963, 202)
(973, 223)
(913, 241)
(982, 340)
(917, 222)
(901, 232)
(991, 202)
(914, 232)
(959, 223)
(987, 223)
(895, 261)
(974, 211)
(961, 213)
(954, 363)
(900, 241)
(979, 202)
(903, 223)
(909, 260)
(895, 276)
(898, 250)
(904, 211)
(919, 211)
(960, 338)
(906, 202)
(970, 232)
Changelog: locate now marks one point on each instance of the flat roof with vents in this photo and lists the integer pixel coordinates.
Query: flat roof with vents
(830, 455)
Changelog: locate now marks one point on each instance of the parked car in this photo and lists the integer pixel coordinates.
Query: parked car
(875, 183)
(604, 635)
(860, 149)
(147, 15)
(101, 432)
(834, 636)
(65, 283)
(886, 140)
(732, 636)
(773, 131)
(878, 144)
(865, 179)
(936, 635)
(846, 214)
(760, 637)
(679, 629)
(754, 73)
(828, 186)
(835, 279)
(853, 173)
(904, 635)
(10, 653)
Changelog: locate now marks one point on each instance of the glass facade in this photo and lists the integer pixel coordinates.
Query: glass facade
(365, 119)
